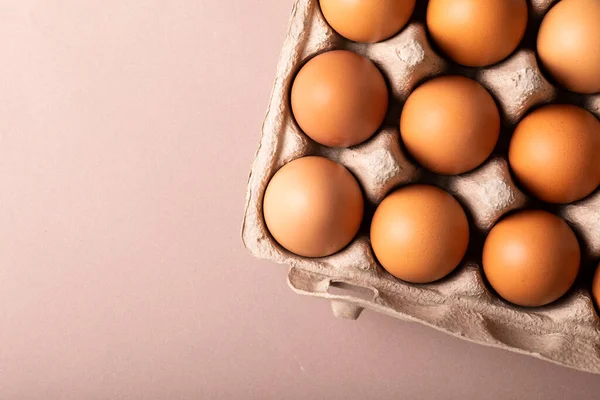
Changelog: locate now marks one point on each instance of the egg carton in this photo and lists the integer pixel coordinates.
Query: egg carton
(566, 332)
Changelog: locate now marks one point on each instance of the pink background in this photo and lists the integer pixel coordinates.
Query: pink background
(127, 129)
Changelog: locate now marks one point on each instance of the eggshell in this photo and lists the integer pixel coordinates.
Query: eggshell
(477, 33)
(313, 207)
(531, 258)
(596, 287)
(450, 125)
(367, 20)
(419, 233)
(339, 99)
(554, 153)
(568, 44)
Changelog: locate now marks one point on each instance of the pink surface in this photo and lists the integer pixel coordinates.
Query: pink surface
(127, 129)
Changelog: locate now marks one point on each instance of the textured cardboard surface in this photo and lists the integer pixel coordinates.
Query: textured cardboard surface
(566, 332)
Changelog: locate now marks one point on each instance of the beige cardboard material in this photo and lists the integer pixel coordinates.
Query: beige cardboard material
(566, 332)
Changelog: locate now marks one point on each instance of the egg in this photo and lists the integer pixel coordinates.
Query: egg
(477, 33)
(531, 258)
(367, 20)
(450, 125)
(313, 207)
(554, 153)
(419, 233)
(596, 287)
(568, 44)
(339, 99)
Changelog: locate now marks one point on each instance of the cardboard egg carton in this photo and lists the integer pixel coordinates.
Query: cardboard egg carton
(566, 332)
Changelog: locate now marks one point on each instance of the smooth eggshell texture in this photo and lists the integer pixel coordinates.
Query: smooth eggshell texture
(554, 153)
(531, 258)
(367, 20)
(450, 125)
(419, 233)
(313, 207)
(569, 44)
(596, 287)
(339, 98)
(477, 33)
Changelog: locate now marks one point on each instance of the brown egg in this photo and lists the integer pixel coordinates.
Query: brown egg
(339, 99)
(450, 124)
(367, 20)
(554, 153)
(313, 207)
(569, 44)
(596, 287)
(419, 233)
(531, 258)
(477, 33)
